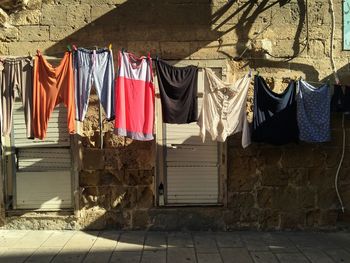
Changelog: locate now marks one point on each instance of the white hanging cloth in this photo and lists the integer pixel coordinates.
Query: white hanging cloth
(224, 108)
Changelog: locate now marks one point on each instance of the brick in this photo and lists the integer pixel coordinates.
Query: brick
(174, 50)
(4, 18)
(100, 10)
(34, 33)
(294, 220)
(58, 33)
(274, 176)
(142, 48)
(100, 2)
(78, 15)
(26, 17)
(293, 158)
(264, 197)
(285, 198)
(9, 34)
(89, 178)
(93, 159)
(22, 48)
(241, 200)
(54, 15)
(140, 219)
(306, 197)
(3, 49)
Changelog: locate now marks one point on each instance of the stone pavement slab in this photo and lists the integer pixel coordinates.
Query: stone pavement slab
(261, 257)
(205, 243)
(292, 258)
(156, 241)
(99, 254)
(125, 257)
(152, 256)
(316, 255)
(180, 239)
(228, 239)
(236, 255)
(181, 255)
(58, 239)
(43, 255)
(172, 247)
(209, 258)
(339, 255)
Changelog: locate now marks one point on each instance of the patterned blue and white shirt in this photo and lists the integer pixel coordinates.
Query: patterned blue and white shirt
(313, 112)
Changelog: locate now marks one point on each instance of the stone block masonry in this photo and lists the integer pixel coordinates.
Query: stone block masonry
(268, 187)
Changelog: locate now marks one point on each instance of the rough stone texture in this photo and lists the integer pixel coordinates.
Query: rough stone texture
(269, 187)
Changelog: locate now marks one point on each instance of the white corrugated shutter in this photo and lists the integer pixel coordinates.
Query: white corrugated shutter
(57, 132)
(192, 167)
(43, 167)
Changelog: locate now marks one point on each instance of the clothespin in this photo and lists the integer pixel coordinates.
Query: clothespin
(69, 48)
(38, 52)
(29, 54)
(257, 73)
(74, 47)
(110, 47)
(123, 50)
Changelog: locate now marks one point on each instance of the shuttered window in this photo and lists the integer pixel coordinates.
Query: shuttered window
(42, 168)
(191, 171)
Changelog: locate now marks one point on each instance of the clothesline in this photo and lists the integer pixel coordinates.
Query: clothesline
(101, 67)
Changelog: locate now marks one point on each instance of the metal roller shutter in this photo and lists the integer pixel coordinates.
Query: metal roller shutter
(191, 166)
(43, 167)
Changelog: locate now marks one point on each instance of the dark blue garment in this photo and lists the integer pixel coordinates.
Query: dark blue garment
(313, 111)
(275, 115)
(341, 99)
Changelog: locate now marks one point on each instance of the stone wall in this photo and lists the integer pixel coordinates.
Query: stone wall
(289, 187)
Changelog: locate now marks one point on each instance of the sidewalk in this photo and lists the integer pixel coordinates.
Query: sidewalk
(172, 247)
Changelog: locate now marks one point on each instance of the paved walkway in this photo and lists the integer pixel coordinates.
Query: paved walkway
(172, 247)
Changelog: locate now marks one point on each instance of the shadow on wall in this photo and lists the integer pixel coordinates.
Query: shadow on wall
(156, 25)
(180, 30)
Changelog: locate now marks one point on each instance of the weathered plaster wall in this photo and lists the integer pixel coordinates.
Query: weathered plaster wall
(268, 187)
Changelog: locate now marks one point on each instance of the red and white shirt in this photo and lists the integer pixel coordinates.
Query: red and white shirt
(134, 97)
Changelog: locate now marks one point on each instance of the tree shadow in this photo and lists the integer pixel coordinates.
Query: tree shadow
(178, 31)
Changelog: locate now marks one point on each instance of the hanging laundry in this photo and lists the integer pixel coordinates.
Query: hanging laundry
(94, 67)
(52, 86)
(134, 97)
(224, 108)
(178, 92)
(313, 112)
(341, 99)
(16, 80)
(275, 118)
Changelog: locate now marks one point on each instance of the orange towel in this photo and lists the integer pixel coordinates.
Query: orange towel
(52, 86)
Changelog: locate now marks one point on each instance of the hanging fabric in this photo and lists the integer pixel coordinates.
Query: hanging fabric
(275, 118)
(134, 97)
(16, 80)
(341, 99)
(52, 86)
(178, 92)
(224, 108)
(313, 112)
(94, 67)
